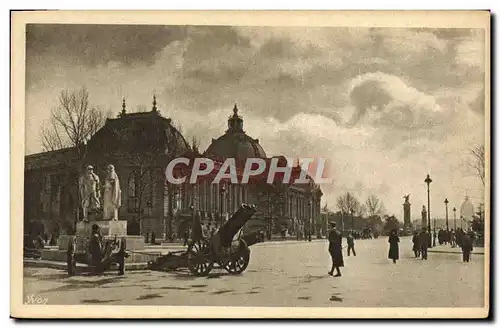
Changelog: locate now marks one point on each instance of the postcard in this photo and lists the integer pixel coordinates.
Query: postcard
(239, 164)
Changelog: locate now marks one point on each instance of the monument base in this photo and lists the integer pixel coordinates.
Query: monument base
(109, 230)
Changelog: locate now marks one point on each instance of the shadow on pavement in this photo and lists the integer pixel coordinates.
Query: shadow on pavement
(97, 301)
(148, 297)
(73, 284)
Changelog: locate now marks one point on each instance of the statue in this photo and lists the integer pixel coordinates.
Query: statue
(112, 195)
(407, 198)
(89, 191)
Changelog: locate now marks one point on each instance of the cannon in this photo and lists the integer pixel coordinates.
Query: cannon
(99, 254)
(227, 248)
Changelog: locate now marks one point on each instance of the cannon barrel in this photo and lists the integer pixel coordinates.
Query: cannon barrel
(230, 228)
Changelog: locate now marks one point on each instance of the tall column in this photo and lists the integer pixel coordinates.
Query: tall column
(407, 213)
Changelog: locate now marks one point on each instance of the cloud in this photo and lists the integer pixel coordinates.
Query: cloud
(356, 159)
(411, 96)
(385, 100)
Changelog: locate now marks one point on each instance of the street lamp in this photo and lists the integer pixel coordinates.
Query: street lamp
(222, 192)
(310, 219)
(446, 205)
(455, 219)
(434, 234)
(428, 181)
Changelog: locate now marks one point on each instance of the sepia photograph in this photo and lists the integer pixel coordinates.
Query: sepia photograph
(235, 164)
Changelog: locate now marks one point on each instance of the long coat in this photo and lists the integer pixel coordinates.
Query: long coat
(466, 243)
(415, 240)
(394, 247)
(335, 248)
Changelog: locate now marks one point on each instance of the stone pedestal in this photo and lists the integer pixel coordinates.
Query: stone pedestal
(407, 215)
(109, 229)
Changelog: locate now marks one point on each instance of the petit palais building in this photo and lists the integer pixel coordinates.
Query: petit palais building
(140, 146)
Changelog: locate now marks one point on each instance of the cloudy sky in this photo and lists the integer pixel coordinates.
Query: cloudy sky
(383, 106)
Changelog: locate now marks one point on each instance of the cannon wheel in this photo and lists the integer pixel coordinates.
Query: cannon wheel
(70, 257)
(238, 261)
(199, 256)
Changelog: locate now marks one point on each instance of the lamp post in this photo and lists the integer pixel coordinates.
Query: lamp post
(446, 205)
(434, 234)
(222, 192)
(342, 221)
(191, 207)
(310, 219)
(455, 219)
(428, 181)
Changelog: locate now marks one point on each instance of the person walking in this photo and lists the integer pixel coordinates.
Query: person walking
(350, 245)
(466, 247)
(394, 246)
(186, 236)
(416, 246)
(335, 250)
(424, 241)
(96, 248)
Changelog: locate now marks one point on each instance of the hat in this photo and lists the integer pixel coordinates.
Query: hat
(90, 167)
(332, 224)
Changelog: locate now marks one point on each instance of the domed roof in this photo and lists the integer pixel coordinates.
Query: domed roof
(235, 143)
(144, 132)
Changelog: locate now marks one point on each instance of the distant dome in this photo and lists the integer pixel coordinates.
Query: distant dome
(467, 209)
(235, 143)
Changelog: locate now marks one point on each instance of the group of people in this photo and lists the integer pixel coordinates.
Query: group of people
(452, 237)
(421, 243)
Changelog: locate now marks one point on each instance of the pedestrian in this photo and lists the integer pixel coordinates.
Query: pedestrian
(96, 249)
(466, 247)
(416, 246)
(147, 237)
(453, 239)
(153, 238)
(335, 250)
(424, 241)
(394, 245)
(186, 237)
(350, 245)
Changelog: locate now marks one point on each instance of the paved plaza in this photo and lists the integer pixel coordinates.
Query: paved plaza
(284, 274)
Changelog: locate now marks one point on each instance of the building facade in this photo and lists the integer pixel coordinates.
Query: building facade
(140, 145)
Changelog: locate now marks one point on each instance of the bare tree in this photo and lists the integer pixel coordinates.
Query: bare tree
(348, 203)
(374, 206)
(478, 161)
(195, 144)
(72, 122)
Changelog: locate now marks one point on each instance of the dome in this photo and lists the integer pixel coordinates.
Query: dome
(467, 209)
(138, 133)
(235, 143)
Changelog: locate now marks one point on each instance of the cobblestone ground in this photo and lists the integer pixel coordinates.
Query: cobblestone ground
(284, 274)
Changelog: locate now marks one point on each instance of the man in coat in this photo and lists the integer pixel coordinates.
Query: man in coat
(466, 247)
(335, 250)
(96, 248)
(416, 244)
(424, 242)
(350, 245)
